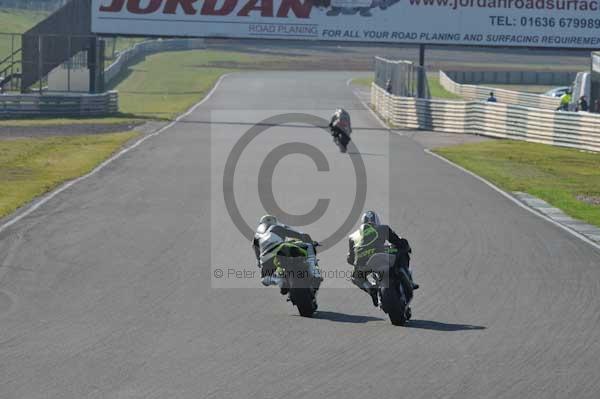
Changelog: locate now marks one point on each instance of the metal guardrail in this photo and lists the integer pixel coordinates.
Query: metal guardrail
(475, 92)
(579, 130)
(24, 105)
(138, 51)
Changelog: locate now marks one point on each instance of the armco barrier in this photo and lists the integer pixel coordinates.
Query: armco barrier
(24, 105)
(137, 52)
(474, 92)
(568, 129)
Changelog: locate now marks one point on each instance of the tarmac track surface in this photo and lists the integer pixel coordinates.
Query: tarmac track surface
(106, 291)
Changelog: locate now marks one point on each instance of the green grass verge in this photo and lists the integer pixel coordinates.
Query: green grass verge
(438, 91)
(362, 81)
(16, 21)
(554, 174)
(153, 90)
(32, 167)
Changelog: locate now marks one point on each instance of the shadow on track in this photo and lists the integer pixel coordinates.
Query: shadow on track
(367, 154)
(287, 125)
(439, 326)
(344, 318)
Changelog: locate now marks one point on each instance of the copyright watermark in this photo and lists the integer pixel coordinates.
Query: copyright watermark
(267, 170)
(286, 164)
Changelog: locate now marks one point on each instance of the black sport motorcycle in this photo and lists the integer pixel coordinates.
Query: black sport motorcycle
(394, 287)
(301, 281)
(341, 134)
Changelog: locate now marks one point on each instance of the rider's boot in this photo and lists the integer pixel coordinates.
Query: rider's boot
(273, 279)
(374, 296)
(414, 285)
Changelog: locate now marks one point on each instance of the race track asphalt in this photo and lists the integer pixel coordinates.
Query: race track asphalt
(109, 289)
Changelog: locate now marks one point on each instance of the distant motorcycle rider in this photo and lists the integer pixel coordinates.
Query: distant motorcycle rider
(274, 241)
(370, 239)
(341, 126)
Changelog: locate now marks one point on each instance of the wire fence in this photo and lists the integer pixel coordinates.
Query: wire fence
(401, 78)
(10, 62)
(56, 63)
(52, 63)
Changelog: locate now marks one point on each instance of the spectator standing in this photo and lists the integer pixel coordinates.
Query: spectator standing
(565, 100)
(582, 105)
(492, 98)
(388, 86)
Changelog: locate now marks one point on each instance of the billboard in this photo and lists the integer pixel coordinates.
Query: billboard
(532, 23)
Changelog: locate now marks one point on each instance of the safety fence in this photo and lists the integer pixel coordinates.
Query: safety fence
(26, 105)
(400, 78)
(568, 129)
(481, 93)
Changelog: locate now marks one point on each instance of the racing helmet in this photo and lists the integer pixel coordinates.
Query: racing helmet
(370, 217)
(268, 220)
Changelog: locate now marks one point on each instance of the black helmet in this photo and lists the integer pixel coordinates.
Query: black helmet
(370, 217)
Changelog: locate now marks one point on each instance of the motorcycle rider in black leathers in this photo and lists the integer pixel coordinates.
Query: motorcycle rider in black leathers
(369, 239)
(274, 240)
(341, 118)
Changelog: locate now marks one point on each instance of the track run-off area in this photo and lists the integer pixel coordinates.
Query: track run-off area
(110, 289)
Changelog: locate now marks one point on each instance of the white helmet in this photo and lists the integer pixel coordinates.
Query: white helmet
(268, 220)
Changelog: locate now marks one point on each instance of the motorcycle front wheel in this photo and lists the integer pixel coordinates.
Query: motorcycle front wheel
(394, 304)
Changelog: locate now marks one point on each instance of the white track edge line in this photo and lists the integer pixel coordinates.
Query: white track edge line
(29, 209)
(516, 201)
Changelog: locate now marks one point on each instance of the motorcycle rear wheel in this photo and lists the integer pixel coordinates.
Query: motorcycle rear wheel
(304, 300)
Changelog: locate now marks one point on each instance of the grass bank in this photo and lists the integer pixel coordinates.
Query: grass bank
(566, 178)
(32, 167)
(366, 82)
(18, 21)
(151, 89)
(15, 21)
(438, 91)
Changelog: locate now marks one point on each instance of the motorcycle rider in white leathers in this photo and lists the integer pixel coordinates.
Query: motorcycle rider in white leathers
(272, 239)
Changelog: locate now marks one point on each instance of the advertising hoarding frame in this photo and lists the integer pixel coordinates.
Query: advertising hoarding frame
(321, 34)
